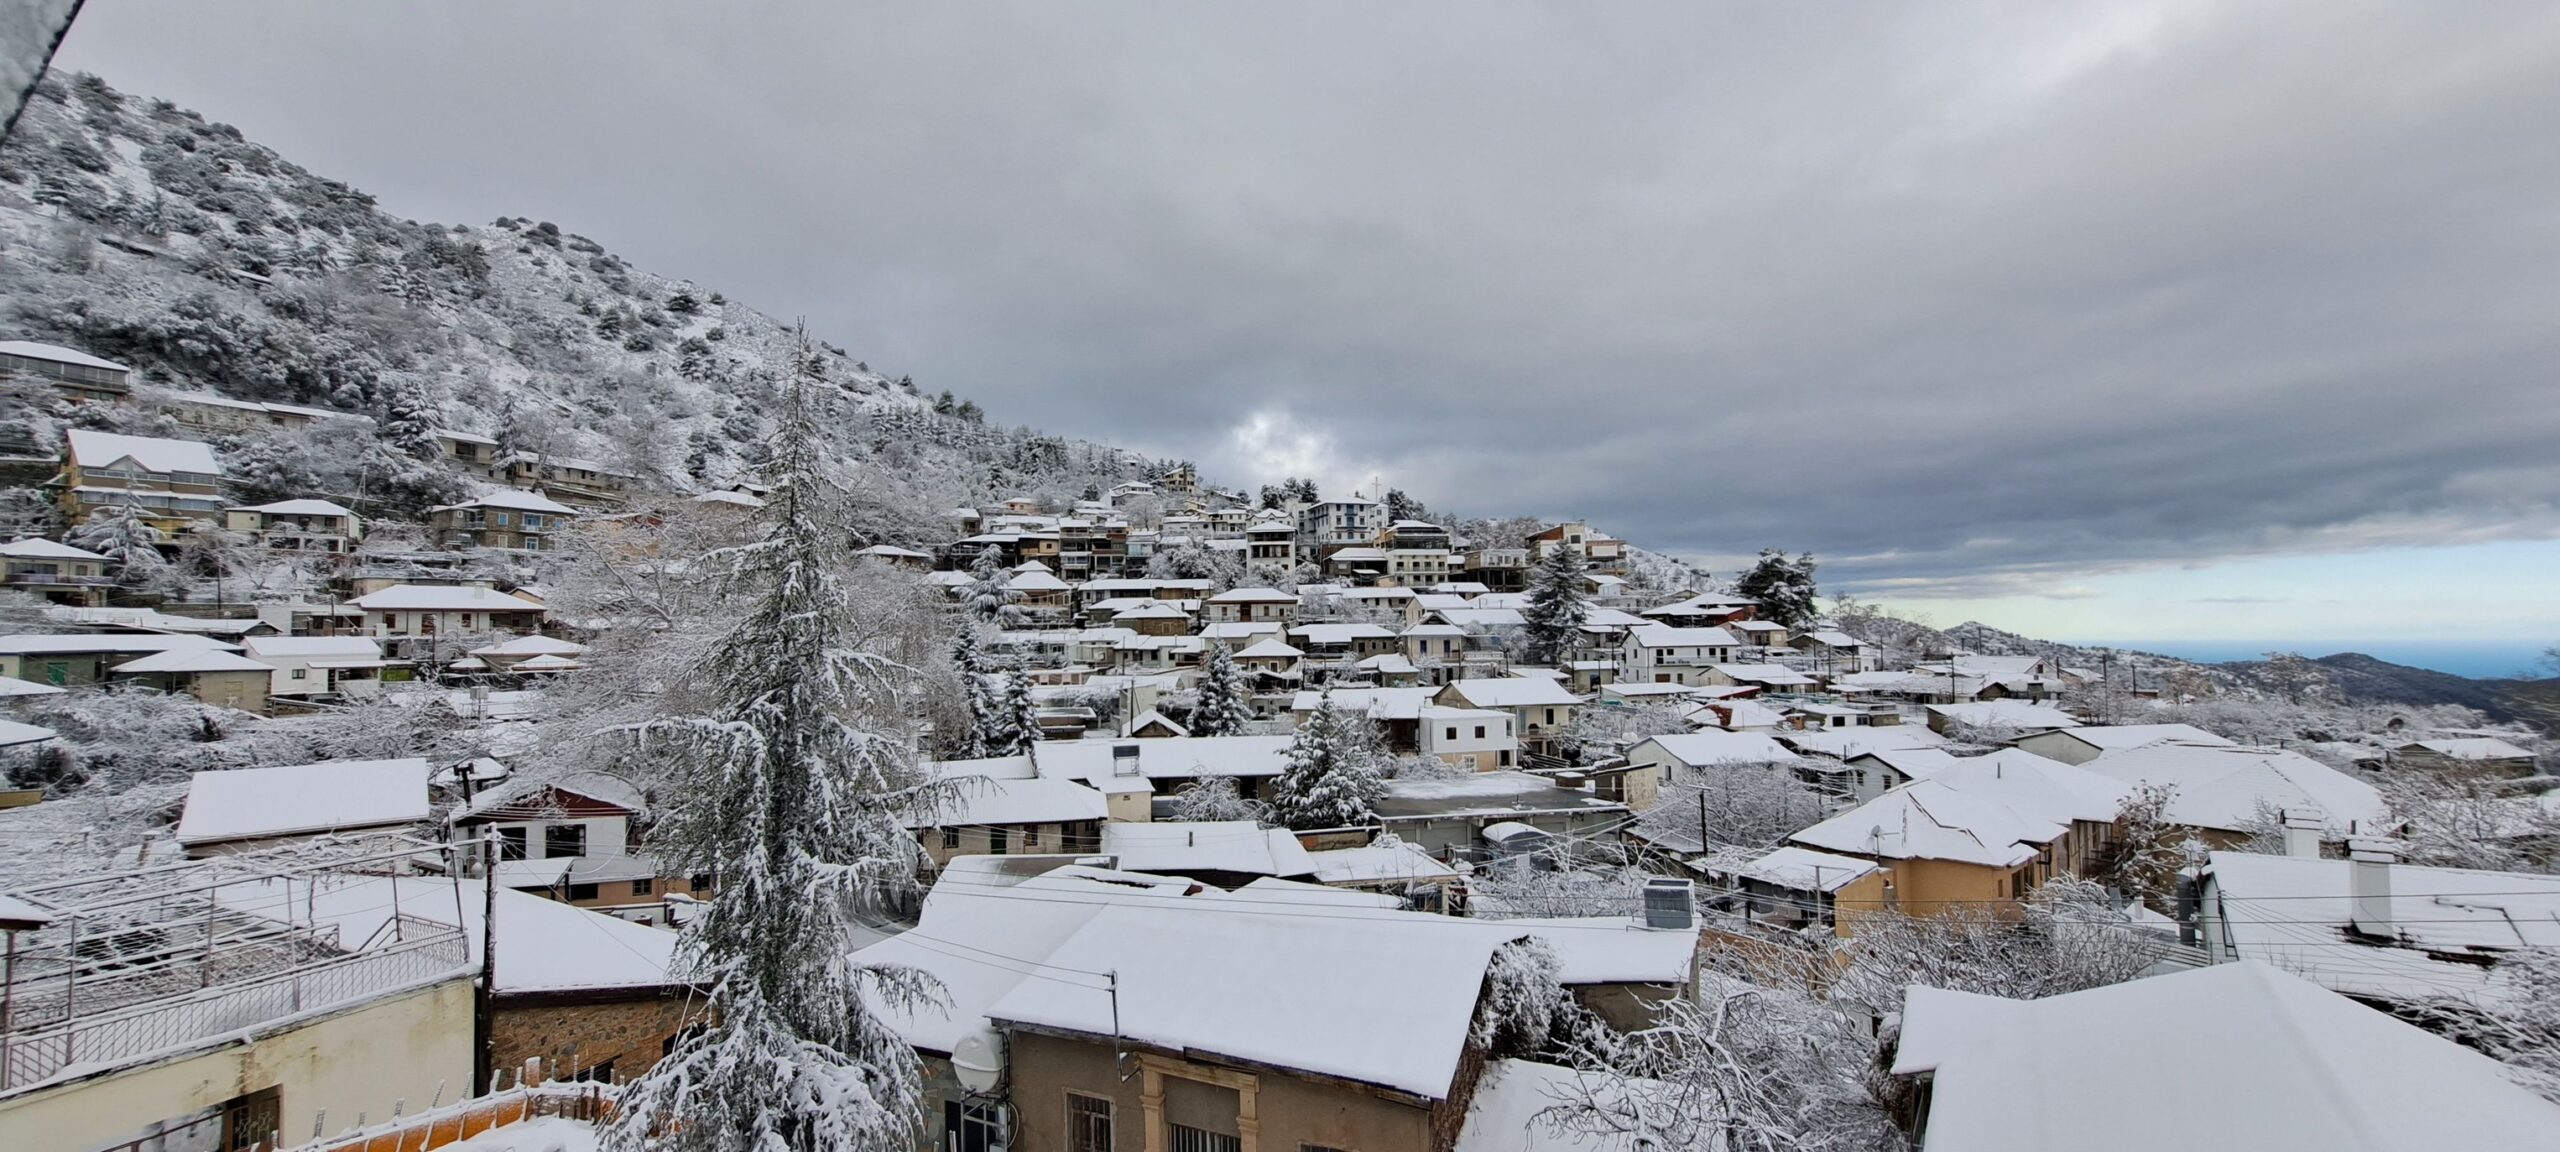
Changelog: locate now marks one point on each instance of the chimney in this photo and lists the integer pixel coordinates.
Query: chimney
(2302, 836)
(1124, 759)
(1669, 903)
(2369, 886)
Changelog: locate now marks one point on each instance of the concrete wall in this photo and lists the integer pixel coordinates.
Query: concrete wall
(363, 1060)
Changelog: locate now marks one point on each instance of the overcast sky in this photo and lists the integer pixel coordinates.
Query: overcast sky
(2026, 309)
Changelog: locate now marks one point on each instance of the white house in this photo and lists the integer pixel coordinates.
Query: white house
(308, 666)
(412, 610)
(1662, 654)
(1477, 739)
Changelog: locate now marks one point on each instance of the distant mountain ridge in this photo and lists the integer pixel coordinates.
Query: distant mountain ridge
(2361, 679)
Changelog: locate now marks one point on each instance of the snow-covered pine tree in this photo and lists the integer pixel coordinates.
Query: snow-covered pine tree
(1224, 708)
(1021, 720)
(130, 544)
(987, 595)
(790, 788)
(1556, 605)
(971, 666)
(1329, 780)
(1784, 588)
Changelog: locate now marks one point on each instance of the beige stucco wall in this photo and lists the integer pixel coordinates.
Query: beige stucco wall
(1292, 1112)
(364, 1060)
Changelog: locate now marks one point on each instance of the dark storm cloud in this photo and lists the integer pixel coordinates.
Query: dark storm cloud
(1963, 299)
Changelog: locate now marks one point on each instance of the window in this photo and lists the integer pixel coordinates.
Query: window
(1453, 734)
(1088, 1123)
(579, 892)
(1031, 838)
(951, 837)
(564, 840)
(510, 843)
(971, 1127)
(301, 673)
(644, 886)
(1189, 1139)
(1479, 731)
(995, 841)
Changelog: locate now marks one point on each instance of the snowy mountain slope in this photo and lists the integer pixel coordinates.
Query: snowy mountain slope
(141, 232)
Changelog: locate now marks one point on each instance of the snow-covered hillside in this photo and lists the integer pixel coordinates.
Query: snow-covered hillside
(142, 232)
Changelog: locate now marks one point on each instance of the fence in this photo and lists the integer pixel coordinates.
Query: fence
(590, 1103)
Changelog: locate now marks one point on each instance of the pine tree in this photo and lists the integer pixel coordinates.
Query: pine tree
(1330, 779)
(1224, 707)
(128, 542)
(1402, 507)
(1556, 605)
(791, 789)
(971, 665)
(1784, 588)
(987, 595)
(1020, 719)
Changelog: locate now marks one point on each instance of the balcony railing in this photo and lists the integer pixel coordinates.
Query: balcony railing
(60, 580)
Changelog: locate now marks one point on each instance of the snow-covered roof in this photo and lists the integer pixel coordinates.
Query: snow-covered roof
(543, 945)
(39, 548)
(297, 799)
(1254, 596)
(1181, 757)
(1699, 749)
(1150, 610)
(13, 733)
(442, 598)
(53, 643)
(1485, 794)
(295, 508)
(1481, 617)
(2469, 748)
(2006, 714)
(1387, 862)
(2036, 786)
(1831, 639)
(2226, 786)
(534, 645)
(1339, 633)
(2118, 737)
(724, 496)
(1845, 743)
(178, 660)
(90, 449)
(1183, 847)
(1389, 664)
(1268, 988)
(1036, 581)
(1513, 692)
(1376, 703)
(1928, 820)
(1765, 675)
(2294, 912)
(1270, 648)
(514, 499)
(12, 686)
(1008, 790)
(58, 354)
(2254, 1056)
(1666, 636)
(1800, 869)
(1916, 763)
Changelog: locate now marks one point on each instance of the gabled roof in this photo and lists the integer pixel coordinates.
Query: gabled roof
(39, 548)
(2116, 737)
(513, 499)
(1270, 648)
(58, 354)
(1666, 636)
(1238, 846)
(182, 660)
(1699, 749)
(1931, 821)
(2281, 1064)
(1254, 595)
(2295, 913)
(295, 508)
(300, 799)
(2006, 714)
(535, 645)
(1512, 692)
(441, 598)
(2226, 787)
(99, 449)
(50, 643)
(299, 647)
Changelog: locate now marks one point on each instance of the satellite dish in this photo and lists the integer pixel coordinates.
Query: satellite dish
(978, 1061)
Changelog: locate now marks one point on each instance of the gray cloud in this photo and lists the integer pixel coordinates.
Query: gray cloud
(1966, 300)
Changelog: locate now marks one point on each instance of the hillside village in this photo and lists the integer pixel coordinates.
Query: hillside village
(332, 682)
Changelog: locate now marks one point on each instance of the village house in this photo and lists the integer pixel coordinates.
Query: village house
(1662, 654)
(1449, 818)
(1273, 542)
(1327, 526)
(1981, 833)
(2279, 1058)
(1540, 708)
(66, 659)
(1004, 805)
(1602, 552)
(2224, 793)
(1685, 757)
(76, 374)
(1833, 653)
(2020, 717)
(238, 809)
(1417, 553)
(172, 485)
(1473, 739)
(473, 453)
(520, 521)
(422, 610)
(215, 676)
(298, 525)
(306, 667)
(584, 483)
(1252, 605)
(2461, 755)
(1793, 888)
(137, 1036)
(59, 573)
(574, 840)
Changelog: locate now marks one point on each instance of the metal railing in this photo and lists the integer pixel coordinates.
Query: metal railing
(153, 1025)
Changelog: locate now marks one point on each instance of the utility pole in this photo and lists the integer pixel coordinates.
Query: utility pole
(484, 1007)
